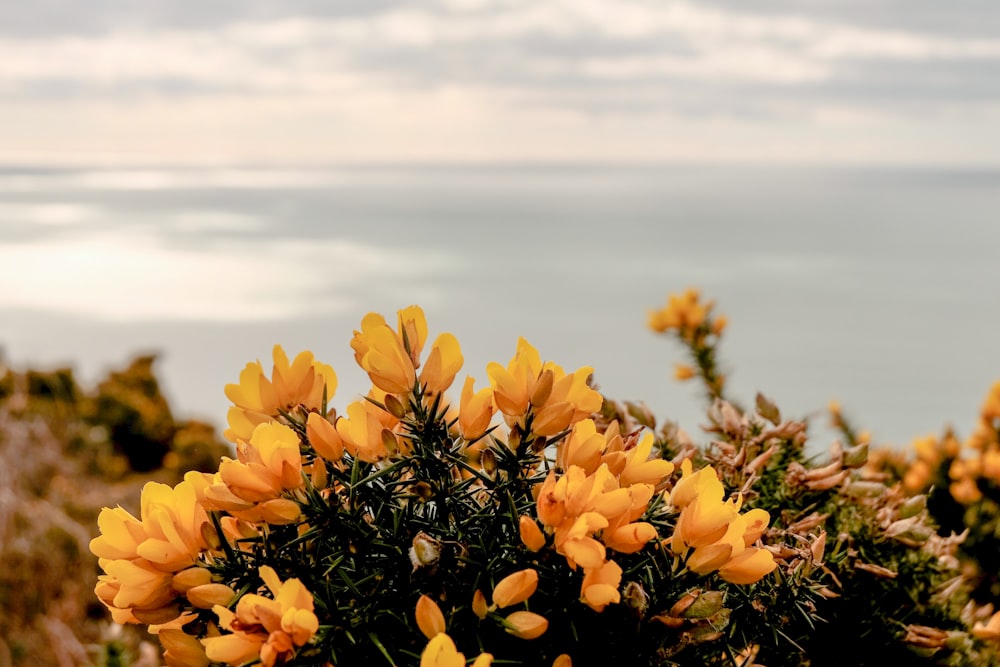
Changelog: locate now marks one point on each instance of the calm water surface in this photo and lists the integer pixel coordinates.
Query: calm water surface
(875, 287)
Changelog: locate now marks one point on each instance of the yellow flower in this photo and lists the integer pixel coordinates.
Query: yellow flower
(570, 400)
(268, 465)
(756, 524)
(600, 586)
(514, 385)
(257, 400)
(140, 557)
(383, 355)
(361, 432)
(710, 557)
(443, 363)
(238, 648)
(441, 652)
(121, 535)
(583, 447)
(640, 468)
(704, 521)
(515, 588)
(748, 567)
(691, 485)
(139, 585)
(526, 625)
(476, 410)
(430, 620)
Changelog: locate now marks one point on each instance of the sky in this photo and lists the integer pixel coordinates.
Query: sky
(120, 82)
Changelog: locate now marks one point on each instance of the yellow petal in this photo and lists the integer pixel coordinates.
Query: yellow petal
(441, 652)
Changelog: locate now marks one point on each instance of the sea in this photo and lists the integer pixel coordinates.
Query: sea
(876, 287)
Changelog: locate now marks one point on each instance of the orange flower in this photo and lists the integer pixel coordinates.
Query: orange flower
(270, 628)
(526, 625)
(430, 620)
(268, 465)
(989, 631)
(684, 312)
(323, 437)
(182, 650)
(515, 588)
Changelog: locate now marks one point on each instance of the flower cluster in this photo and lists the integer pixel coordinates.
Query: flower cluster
(536, 522)
(150, 562)
(711, 535)
(694, 323)
(529, 520)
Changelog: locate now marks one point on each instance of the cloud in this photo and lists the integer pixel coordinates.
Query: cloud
(272, 78)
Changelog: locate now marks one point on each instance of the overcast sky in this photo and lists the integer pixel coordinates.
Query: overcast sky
(228, 81)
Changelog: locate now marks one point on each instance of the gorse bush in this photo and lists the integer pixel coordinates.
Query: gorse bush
(532, 522)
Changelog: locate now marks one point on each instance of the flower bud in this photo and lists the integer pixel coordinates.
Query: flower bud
(856, 456)
(543, 388)
(488, 461)
(182, 649)
(157, 616)
(531, 534)
(394, 406)
(705, 605)
(682, 605)
(912, 506)
(425, 551)
(324, 438)
(864, 489)
(767, 409)
(562, 661)
(207, 596)
(634, 596)
(189, 578)
(479, 606)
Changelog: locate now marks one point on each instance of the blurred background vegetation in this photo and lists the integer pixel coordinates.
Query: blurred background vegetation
(66, 451)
